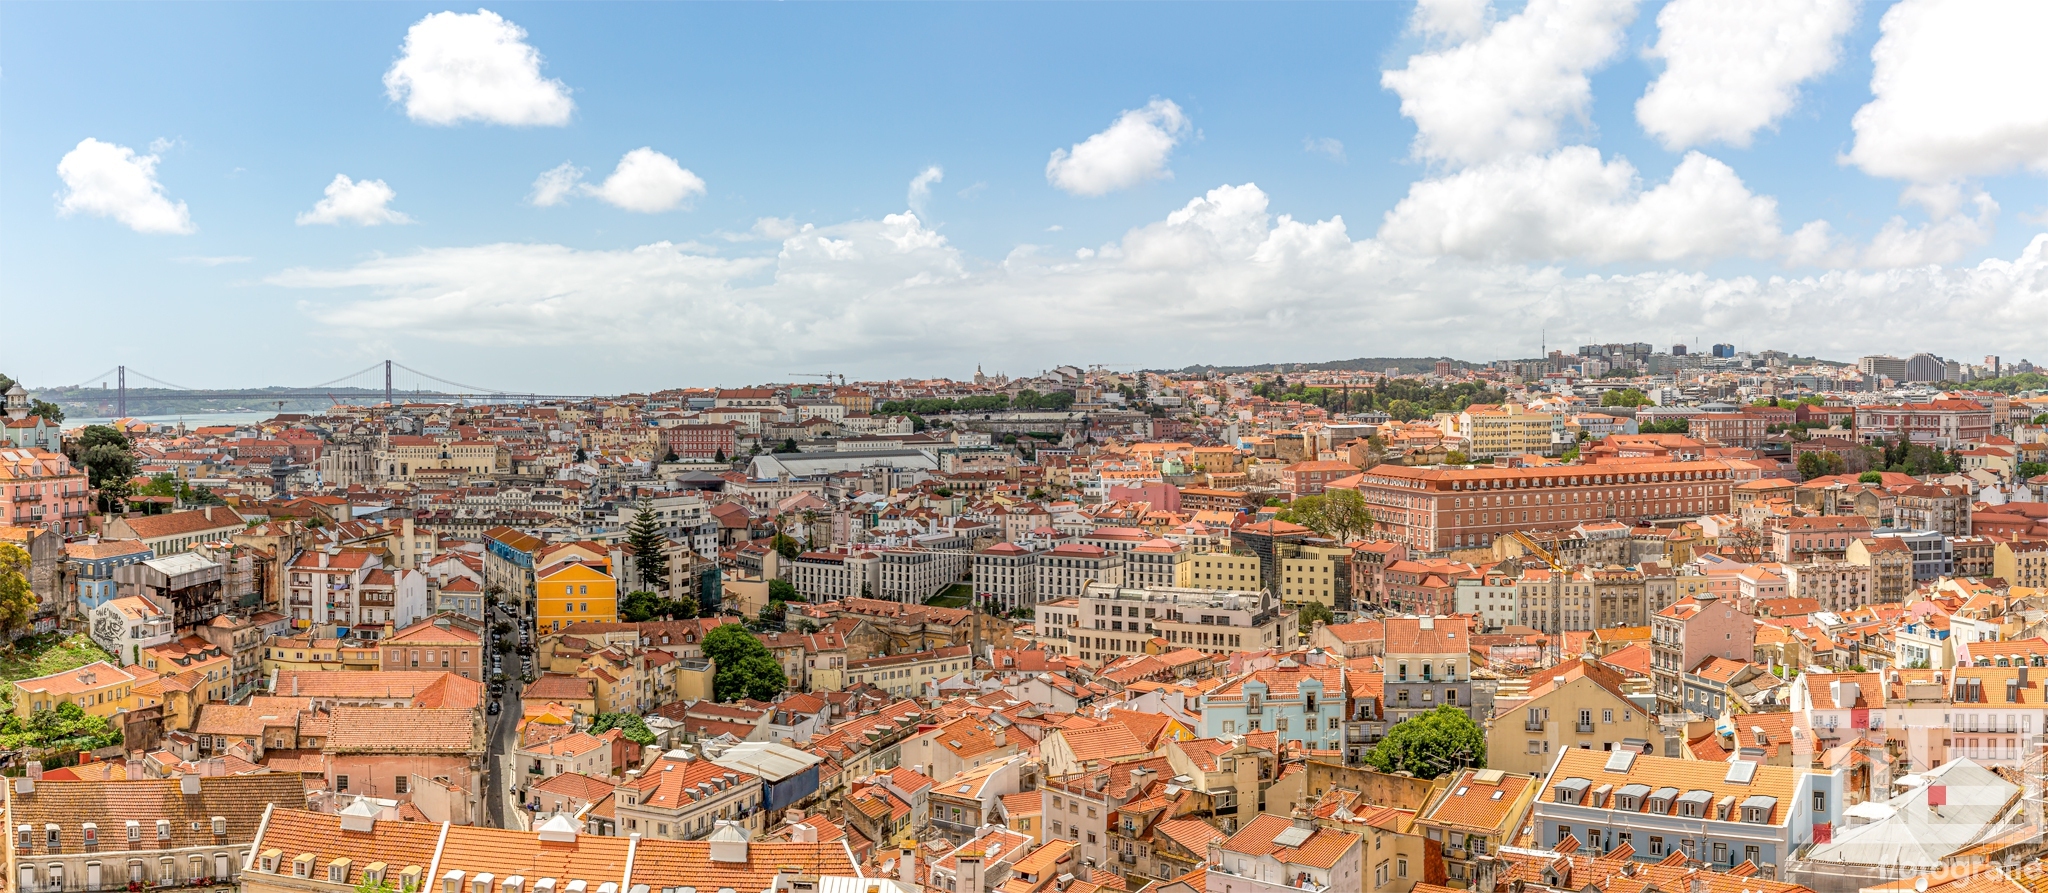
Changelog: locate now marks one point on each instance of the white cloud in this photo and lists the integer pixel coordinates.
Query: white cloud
(1733, 67)
(1571, 205)
(106, 180)
(364, 203)
(647, 182)
(1133, 150)
(1324, 145)
(213, 261)
(458, 67)
(554, 185)
(1955, 92)
(1943, 239)
(921, 187)
(1221, 279)
(1507, 91)
(1454, 20)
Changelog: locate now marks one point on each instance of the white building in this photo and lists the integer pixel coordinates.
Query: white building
(127, 625)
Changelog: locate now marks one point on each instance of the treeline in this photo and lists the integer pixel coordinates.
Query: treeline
(1401, 398)
(2012, 384)
(1056, 401)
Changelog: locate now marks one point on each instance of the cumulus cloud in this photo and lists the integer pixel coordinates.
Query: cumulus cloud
(364, 203)
(458, 67)
(1133, 150)
(1733, 67)
(106, 180)
(1453, 20)
(555, 185)
(1507, 90)
(1955, 92)
(1572, 205)
(921, 187)
(1946, 236)
(1221, 278)
(648, 182)
(645, 181)
(1330, 147)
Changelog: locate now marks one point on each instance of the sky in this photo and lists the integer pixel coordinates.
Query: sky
(601, 197)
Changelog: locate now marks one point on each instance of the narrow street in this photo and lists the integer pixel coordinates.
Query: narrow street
(500, 773)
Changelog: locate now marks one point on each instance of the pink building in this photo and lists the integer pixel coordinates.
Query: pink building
(41, 488)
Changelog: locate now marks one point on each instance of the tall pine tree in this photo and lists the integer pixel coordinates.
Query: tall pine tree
(649, 549)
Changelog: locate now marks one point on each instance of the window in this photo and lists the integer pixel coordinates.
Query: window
(341, 783)
(1720, 852)
(399, 785)
(1563, 831)
(134, 832)
(1401, 867)
(1753, 854)
(1820, 802)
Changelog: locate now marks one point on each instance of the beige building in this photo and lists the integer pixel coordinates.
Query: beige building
(1891, 567)
(1065, 570)
(1223, 571)
(1579, 704)
(1115, 621)
(1313, 574)
(1837, 585)
(403, 457)
(1505, 429)
(678, 799)
(1160, 564)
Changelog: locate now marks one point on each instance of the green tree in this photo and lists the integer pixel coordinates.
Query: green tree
(2030, 470)
(745, 668)
(1430, 744)
(1870, 477)
(670, 456)
(48, 410)
(1457, 457)
(1668, 426)
(719, 457)
(581, 456)
(1625, 397)
(1819, 465)
(640, 606)
(650, 548)
(109, 460)
(783, 591)
(788, 445)
(17, 603)
(1311, 612)
(635, 728)
(1341, 515)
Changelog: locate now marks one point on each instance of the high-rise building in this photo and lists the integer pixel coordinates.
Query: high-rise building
(1724, 351)
(1883, 364)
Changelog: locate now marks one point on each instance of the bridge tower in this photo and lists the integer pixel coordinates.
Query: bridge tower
(387, 384)
(121, 392)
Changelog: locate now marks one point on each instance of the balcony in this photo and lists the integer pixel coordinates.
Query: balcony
(1533, 725)
(75, 514)
(1585, 728)
(1127, 858)
(27, 496)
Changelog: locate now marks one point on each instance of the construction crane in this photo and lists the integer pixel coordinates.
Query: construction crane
(827, 376)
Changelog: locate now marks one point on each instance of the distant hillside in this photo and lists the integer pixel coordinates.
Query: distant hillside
(1407, 365)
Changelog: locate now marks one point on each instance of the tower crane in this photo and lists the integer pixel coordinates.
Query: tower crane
(827, 376)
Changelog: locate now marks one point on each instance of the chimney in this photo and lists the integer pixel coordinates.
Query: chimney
(35, 769)
(802, 833)
(906, 863)
(970, 872)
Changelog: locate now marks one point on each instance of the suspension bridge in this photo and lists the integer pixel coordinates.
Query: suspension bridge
(416, 385)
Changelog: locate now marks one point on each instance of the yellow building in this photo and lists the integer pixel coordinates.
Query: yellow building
(306, 653)
(1313, 574)
(1222, 570)
(1577, 704)
(575, 592)
(1493, 429)
(98, 688)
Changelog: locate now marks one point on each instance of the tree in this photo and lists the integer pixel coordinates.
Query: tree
(650, 548)
(17, 603)
(1312, 613)
(109, 460)
(635, 728)
(670, 456)
(1430, 744)
(48, 410)
(719, 456)
(581, 456)
(1341, 515)
(783, 591)
(1457, 457)
(639, 606)
(745, 668)
(1870, 477)
(1819, 465)
(1624, 397)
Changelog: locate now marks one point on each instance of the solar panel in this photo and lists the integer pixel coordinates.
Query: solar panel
(1741, 771)
(1292, 837)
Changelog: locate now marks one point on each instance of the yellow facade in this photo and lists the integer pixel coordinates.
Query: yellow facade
(1506, 429)
(575, 593)
(99, 689)
(303, 653)
(1222, 570)
(1311, 575)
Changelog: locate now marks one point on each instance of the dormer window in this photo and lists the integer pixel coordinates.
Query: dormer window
(337, 871)
(25, 838)
(220, 826)
(134, 831)
(54, 836)
(163, 829)
(89, 834)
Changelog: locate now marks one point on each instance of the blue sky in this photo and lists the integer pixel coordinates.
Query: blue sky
(1499, 205)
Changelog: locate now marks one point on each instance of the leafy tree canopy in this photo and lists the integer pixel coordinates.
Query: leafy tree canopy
(1625, 397)
(1430, 744)
(745, 668)
(635, 728)
(1341, 515)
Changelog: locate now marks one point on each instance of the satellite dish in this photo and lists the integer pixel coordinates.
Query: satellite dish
(1920, 885)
